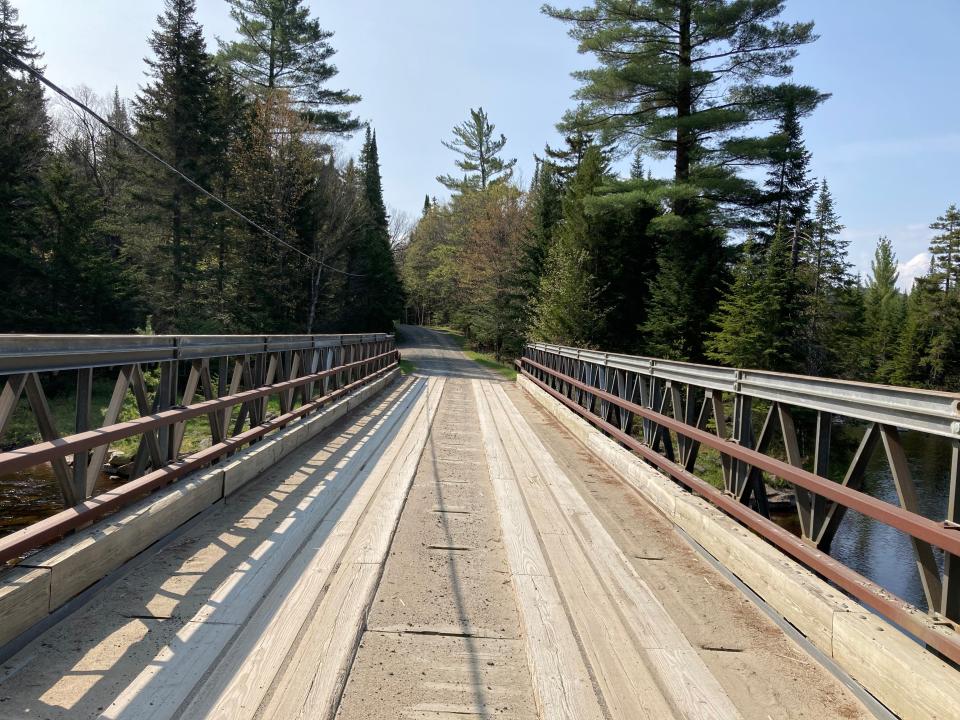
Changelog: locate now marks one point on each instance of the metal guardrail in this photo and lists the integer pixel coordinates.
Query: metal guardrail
(302, 371)
(681, 407)
(907, 408)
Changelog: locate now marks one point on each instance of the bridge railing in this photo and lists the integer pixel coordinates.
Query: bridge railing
(666, 411)
(163, 377)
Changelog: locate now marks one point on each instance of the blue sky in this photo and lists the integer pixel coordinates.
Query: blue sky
(888, 140)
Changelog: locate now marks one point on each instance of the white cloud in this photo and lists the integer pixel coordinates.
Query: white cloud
(912, 269)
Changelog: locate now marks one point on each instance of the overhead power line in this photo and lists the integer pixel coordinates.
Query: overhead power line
(150, 153)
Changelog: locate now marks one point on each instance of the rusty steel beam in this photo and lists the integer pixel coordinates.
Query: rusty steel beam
(917, 526)
(54, 527)
(56, 449)
(886, 604)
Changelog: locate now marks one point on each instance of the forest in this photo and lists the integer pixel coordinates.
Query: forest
(98, 238)
(735, 256)
(738, 258)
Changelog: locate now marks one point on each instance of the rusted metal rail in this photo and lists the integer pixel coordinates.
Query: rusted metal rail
(303, 372)
(611, 390)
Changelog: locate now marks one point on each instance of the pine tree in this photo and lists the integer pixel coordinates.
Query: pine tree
(282, 47)
(636, 167)
(884, 311)
(374, 295)
(760, 319)
(481, 164)
(741, 338)
(689, 77)
(570, 305)
(929, 350)
(24, 149)
(426, 204)
(173, 114)
(945, 250)
(789, 187)
(545, 203)
(566, 160)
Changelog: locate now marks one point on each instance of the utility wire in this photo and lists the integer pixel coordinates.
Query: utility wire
(147, 151)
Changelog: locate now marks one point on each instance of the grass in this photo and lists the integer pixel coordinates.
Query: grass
(407, 367)
(481, 358)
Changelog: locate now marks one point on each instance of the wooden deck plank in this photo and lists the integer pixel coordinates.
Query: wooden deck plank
(685, 680)
(562, 683)
(161, 689)
(312, 679)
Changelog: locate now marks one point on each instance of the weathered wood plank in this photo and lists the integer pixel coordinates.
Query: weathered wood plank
(313, 679)
(84, 558)
(161, 689)
(681, 674)
(906, 677)
(24, 600)
(562, 683)
(909, 679)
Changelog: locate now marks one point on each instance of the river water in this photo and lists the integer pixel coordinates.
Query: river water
(877, 551)
(31, 495)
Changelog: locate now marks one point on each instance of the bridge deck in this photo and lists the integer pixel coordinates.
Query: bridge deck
(449, 551)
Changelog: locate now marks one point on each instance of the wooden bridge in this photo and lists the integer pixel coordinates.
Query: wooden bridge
(449, 544)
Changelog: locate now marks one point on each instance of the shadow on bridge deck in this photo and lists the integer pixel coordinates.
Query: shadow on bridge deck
(137, 649)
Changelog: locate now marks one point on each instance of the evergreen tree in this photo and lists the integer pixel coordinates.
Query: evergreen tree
(24, 147)
(88, 286)
(929, 350)
(945, 250)
(569, 307)
(688, 76)
(789, 187)
(282, 47)
(426, 204)
(481, 163)
(636, 167)
(760, 319)
(741, 338)
(826, 271)
(566, 160)
(173, 114)
(884, 311)
(546, 211)
(374, 294)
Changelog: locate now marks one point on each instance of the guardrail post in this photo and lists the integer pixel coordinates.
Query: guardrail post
(951, 563)
(743, 436)
(84, 401)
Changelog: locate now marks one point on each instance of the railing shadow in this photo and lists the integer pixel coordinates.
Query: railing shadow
(92, 656)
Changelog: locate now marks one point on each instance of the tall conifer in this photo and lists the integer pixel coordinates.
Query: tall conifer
(24, 146)
(374, 295)
(282, 47)
(173, 115)
(474, 140)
